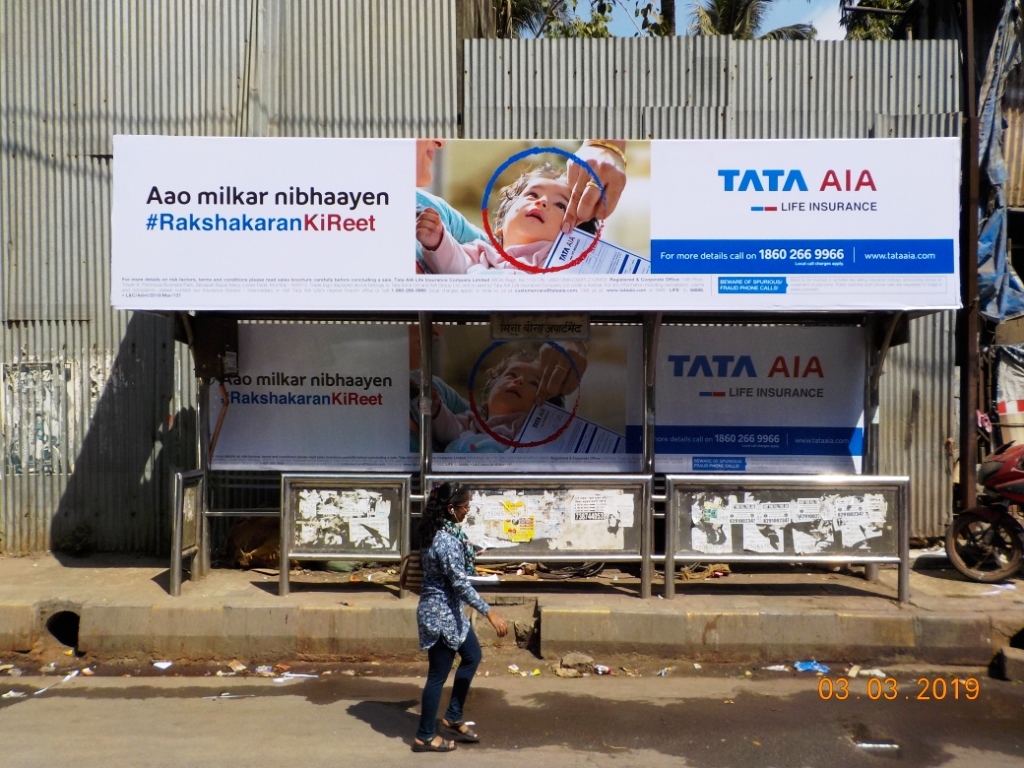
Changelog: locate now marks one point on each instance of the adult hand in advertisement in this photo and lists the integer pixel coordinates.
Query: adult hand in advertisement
(429, 229)
(557, 377)
(585, 201)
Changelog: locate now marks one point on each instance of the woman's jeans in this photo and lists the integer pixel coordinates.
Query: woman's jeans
(441, 658)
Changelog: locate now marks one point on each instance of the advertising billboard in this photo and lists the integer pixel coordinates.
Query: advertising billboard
(852, 223)
(488, 415)
(760, 399)
(333, 397)
(318, 225)
(346, 397)
(315, 398)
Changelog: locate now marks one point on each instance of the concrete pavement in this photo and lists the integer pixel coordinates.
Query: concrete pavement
(124, 611)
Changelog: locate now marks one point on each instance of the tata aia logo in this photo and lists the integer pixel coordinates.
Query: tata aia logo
(738, 366)
(780, 180)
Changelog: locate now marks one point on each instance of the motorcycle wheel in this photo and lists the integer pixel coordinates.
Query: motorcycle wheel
(983, 550)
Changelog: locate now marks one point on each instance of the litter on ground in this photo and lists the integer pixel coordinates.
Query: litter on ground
(67, 677)
(292, 676)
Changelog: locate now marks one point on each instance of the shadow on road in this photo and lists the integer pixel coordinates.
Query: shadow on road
(388, 718)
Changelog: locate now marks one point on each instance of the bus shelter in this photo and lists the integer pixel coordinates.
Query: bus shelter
(717, 344)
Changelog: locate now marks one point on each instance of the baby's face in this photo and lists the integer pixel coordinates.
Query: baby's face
(515, 389)
(537, 213)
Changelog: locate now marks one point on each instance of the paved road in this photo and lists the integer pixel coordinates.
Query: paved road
(715, 720)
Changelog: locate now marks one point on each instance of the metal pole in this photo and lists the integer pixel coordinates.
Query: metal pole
(426, 331)
(426, 385)
(197, 564)
(284, 572)
(969, 319)
(670, 544)
(871, 570)
(404, 535)
(205, 557)
(904, 545)
(652, 322)
(176, 534)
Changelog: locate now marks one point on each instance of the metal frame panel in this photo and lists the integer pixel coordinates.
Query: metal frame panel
(536, 483)
(395, 486)
(187, 536)
(676, 484)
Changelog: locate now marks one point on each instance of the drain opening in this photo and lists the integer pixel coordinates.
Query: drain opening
(63, 625)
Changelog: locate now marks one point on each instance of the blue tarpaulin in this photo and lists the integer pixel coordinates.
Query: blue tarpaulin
(999, 288)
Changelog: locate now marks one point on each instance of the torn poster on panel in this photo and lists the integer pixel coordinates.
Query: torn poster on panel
(564, 519)
(357, 519)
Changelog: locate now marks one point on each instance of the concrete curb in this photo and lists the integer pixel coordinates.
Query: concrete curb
(19, 628)
(125, 612)
(202, 631)
(212, 632)
(772, 636)
(1012, 664)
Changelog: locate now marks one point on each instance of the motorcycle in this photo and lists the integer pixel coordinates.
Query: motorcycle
(986, 543)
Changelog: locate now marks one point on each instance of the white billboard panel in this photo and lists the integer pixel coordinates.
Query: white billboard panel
(321, 225)
(316, 398)
(813, 224)
(760, 400)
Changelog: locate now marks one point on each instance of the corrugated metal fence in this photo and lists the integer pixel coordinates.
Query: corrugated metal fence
(97, 406)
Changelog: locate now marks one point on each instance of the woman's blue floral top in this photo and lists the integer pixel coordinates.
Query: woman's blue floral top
(444, 592)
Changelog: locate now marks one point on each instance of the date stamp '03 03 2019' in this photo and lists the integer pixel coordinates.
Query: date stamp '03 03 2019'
(888, 689)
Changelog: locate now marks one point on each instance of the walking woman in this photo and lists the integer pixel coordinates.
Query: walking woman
(448, 558)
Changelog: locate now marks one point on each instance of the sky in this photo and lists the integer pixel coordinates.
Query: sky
(823, 14)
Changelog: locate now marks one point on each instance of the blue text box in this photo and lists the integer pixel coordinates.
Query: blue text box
(803, 257)
(752, 285)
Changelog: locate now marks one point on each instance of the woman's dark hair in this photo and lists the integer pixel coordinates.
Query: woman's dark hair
(436, 510)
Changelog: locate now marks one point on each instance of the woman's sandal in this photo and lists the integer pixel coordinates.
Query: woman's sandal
(462, 732)
(430, 746)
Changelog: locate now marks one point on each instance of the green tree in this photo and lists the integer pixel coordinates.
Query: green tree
(872, 25)
(742, 19)
(656, 22)
(530, 18)
(561, 18)
(594, 27)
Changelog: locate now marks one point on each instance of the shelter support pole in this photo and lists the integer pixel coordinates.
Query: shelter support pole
(872, 441)
(969, 314)
(176, 535)
(903, 543)
(652, 326)
(426, 383)
(202, 561)
(426, 339)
